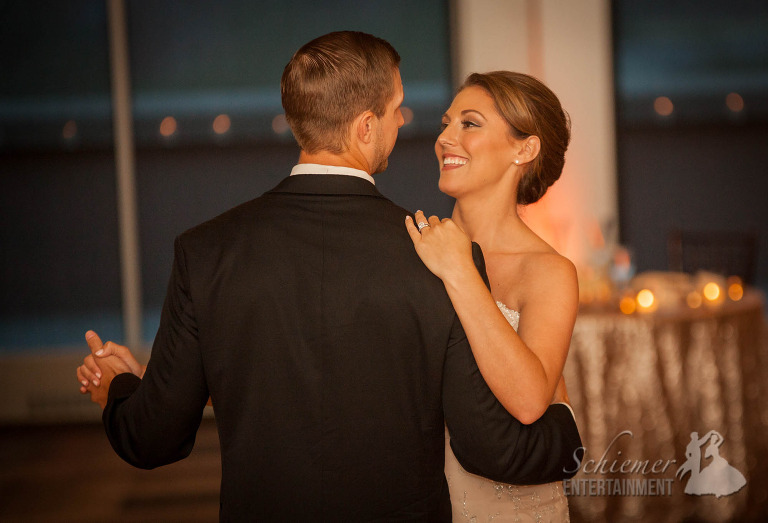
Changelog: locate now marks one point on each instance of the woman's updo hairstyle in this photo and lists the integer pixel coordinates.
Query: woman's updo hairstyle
(530, 108)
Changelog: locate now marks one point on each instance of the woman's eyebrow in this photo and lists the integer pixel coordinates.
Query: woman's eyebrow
(464, 112)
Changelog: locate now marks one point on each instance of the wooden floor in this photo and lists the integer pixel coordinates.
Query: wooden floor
(63, 473)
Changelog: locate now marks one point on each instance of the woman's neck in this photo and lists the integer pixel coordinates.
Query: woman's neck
(488, 220)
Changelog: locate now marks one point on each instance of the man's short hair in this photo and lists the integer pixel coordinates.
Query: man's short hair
(333, 79)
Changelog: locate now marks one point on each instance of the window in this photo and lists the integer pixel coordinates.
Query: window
(208, 133)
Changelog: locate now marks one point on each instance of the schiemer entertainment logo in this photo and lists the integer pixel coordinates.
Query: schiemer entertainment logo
(650, 482)
(718, 478)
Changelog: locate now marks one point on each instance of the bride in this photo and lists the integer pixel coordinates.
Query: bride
(502, 145)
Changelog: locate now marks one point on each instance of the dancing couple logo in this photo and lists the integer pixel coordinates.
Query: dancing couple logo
(646, 478)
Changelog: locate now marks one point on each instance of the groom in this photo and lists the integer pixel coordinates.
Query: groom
(331, 355)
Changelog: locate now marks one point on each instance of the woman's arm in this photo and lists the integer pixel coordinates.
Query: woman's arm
(522, 369)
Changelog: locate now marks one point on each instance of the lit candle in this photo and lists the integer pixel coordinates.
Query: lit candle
(646, 301)
(693, 300)
(711, 291)
(627, 305)
(735, 288)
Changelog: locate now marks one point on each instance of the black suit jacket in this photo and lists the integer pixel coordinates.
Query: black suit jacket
(332, 356)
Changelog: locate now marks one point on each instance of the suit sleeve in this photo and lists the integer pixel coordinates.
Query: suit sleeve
(154, 421)
(489, 441)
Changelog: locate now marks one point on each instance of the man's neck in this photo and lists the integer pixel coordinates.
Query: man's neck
(345, 159)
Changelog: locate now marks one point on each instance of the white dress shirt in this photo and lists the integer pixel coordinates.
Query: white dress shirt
(316, 168)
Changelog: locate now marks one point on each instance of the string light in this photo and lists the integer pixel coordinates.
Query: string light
(663, 106)
(221, 124)
(70, 130)
(735, 102)
(280, 124)
(168, 126)
(407, 113)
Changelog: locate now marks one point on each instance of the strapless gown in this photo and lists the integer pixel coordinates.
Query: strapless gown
(476, 499)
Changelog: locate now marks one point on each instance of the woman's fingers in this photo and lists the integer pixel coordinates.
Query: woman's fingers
(90, 363)
(82, 380)
(420, 225)
(441, 244)
(421, 221)
(110, 348)
(86, 377)
(413, 232)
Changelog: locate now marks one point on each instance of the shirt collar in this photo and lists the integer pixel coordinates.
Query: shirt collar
(316, 168)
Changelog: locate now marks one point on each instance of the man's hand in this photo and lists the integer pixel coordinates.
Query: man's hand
(112, 366)
(90, 372)
(113, 359)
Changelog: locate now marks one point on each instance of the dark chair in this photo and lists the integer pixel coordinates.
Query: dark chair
(729, 253)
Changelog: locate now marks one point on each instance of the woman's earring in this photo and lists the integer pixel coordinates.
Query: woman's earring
(517, 162)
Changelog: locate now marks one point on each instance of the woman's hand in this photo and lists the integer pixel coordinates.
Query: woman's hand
(115, 358)
(89, 373)
(111, 366)
(441, 245)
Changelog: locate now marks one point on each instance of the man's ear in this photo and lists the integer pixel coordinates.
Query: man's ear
(363, 126)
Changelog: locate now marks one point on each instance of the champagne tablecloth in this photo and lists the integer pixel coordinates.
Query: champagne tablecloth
(641, 384)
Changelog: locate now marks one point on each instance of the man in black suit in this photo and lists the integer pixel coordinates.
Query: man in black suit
(331, 355)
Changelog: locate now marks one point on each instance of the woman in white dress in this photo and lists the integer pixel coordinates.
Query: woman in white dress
(502, 145)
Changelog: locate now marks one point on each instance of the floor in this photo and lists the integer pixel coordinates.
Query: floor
(68, 473)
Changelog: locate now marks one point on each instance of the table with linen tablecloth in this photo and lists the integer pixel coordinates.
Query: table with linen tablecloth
(642, 384)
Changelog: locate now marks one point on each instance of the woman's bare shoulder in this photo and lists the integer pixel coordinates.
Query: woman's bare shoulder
(543, 276)
(548, 268)
(520, 277)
